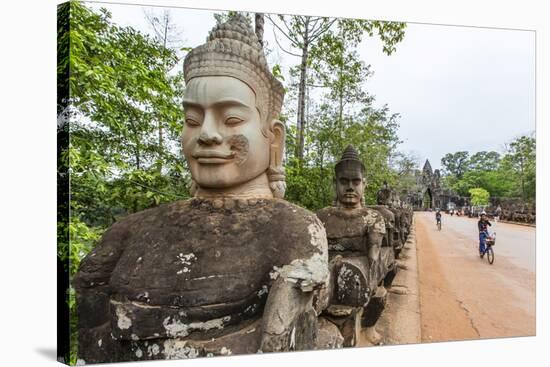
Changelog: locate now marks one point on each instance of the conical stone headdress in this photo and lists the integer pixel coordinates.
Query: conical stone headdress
(350, 159)
(232, 49)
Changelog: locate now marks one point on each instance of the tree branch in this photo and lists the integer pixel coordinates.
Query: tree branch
(314, 22)
(322, 29)
(282, 48)
(293, 41)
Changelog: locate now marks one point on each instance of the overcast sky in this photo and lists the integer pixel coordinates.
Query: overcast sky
(456, 88)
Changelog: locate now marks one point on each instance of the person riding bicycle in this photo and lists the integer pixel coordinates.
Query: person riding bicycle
(438, 217)
(483, 232)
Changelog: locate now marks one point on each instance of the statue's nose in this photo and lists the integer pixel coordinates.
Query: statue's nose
(209, 134)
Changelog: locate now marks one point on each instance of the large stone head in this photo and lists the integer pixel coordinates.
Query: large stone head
(383, 196)
(232, 102)
(350, 179)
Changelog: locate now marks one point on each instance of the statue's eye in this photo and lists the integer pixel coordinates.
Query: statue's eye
(233, 120)
(191, 122)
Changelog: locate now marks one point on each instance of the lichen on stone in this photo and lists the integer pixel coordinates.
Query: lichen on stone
(123, 321)
(179, 349)
(176, 328)
(312, 272)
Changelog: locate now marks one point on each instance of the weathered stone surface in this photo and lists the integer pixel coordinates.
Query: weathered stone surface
(348, 230)
(189, 267)
(375, 308)
(328, 335)
(348, 321)
(390, 206)
(352, 286)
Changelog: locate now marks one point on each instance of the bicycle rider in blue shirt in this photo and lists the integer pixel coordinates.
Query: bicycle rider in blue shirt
(483, 232)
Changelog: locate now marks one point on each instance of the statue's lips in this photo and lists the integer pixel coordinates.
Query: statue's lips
(213, 157)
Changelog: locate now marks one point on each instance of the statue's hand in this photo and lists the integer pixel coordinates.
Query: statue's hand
(289, 320)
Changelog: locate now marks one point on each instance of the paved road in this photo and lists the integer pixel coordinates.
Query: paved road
(461, 295)
(516, 243)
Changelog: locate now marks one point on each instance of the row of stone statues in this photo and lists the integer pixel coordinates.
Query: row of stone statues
(237, 269)
(363, 245)
(514, 210)
(511, 209)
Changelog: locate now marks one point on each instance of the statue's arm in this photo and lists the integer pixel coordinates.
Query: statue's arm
(374, 245)
(376, 230)
(91, 284)
(289, 319)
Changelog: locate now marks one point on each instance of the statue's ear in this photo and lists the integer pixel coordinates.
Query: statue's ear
(278, 143)
(276, 172)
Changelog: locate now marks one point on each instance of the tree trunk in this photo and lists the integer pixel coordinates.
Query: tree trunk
(161, 138)
(341, 85)
(302, 94)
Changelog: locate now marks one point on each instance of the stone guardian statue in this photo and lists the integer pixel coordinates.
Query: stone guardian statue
(355, 236)
(236, 269)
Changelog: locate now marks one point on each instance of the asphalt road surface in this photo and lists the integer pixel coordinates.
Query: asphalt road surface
(461, 295)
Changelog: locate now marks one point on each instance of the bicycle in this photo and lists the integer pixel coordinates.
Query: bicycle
(489, 243)
(439, 225)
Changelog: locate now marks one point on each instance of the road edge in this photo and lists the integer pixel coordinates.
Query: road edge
(400, 323)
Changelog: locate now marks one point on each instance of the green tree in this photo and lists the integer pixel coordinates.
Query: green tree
(520, 161)
(115, 93)
(404, 168)
(315, 38)
(484, 161)
(479, 196)
(510, 175)
(455, 164)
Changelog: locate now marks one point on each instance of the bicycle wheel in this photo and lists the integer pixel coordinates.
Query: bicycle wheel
(439, 226)
(490, 254)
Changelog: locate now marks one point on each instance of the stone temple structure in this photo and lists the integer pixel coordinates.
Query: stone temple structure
(428, 193)
(236, 269)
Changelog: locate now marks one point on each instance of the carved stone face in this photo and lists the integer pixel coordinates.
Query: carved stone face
(383, 197)
(350, 186)
(222, 138)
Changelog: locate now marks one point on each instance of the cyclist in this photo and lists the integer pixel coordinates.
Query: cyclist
(483, 232)
(438, 217)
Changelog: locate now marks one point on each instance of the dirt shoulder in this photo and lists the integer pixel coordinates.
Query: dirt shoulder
(400, 322)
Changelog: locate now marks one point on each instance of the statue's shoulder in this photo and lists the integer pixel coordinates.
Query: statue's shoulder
(384, 211)
(293, 211)
(301, 225)
(98, 264)
(127, 226)
(307, 252)
(325, 213)
(295, 214)
(374, 220)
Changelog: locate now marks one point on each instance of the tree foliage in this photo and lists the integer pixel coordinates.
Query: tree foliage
(119, 94)
(327, 45)
(511, 174)
(455, 163)
(479, 196)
